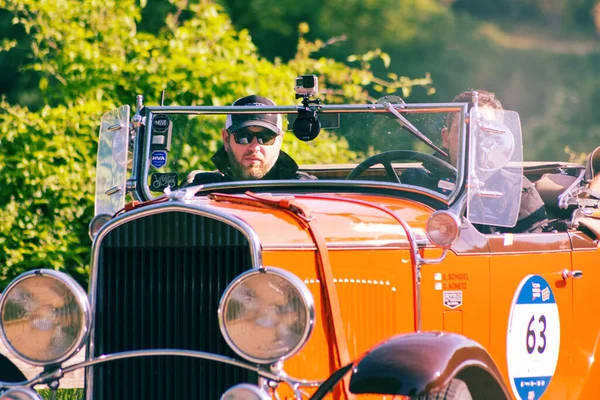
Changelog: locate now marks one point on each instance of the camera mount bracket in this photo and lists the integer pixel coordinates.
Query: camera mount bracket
(306, 101)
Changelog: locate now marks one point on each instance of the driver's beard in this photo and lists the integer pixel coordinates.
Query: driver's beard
(240, 172)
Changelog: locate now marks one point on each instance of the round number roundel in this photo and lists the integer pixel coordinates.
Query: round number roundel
(533, 338)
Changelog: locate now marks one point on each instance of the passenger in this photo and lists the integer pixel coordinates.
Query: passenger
(532, 212)
(251, 149)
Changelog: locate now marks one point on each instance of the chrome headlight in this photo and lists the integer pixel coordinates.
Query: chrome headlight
(45, 317)
(244, 391)
(20, 394)
(266, 315)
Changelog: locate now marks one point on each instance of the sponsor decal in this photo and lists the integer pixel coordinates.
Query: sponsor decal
(159, 159)
(455, 280)
(159, 182)
(160, 123)
(533, 338)
(453, 298)
(446, 185)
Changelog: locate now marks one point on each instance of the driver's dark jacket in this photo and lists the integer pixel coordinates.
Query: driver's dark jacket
(532, 212)
(284, 168)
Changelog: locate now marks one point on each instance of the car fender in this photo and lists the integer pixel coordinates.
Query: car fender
(424, 362)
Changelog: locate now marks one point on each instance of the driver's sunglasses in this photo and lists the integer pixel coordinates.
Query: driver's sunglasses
(245, 136)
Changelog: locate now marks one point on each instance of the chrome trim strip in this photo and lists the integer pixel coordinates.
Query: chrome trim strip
(467, 254)
(327, 184)
(144, 149)
(197, 209)
(141, 130)
(487, 253)
(584, 249)
(289, 247)
(21, 393)
(497, 253)
(438, 260)
(324, 108)
(404, 245)
(307, 299)
(462, 168)
(80, 296)
(58, 373)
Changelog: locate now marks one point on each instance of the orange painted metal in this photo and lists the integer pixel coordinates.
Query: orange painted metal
(359, 287)
(369, 253)
(584, 378)
(342, 224)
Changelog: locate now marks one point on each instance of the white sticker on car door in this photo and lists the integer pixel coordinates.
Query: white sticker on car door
(533, 338)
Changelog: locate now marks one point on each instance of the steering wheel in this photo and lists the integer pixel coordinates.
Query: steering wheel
(434, 164)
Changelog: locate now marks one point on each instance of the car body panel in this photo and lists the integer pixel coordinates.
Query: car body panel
(358, 286)
(342, 224)
(586, 325)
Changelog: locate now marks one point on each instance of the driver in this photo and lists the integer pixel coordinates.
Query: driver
(251, 149)
(532, 212)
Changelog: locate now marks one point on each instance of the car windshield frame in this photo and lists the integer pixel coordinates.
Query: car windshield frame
(142, 170)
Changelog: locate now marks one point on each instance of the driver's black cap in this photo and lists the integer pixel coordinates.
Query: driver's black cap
(272, 122)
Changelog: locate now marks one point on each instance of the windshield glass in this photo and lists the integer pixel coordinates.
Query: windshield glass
(366, 144)
(496, 168)
(111, 166)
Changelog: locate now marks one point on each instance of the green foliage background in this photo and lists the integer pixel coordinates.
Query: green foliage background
(541, 57)
(88, 57)
(67, 62)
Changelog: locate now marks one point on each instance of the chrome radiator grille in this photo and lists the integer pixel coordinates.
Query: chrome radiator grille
(159, 281)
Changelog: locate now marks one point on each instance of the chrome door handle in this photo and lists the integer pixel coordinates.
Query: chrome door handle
(571, 274)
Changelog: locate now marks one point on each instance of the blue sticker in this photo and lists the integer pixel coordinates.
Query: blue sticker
(533, 339)
(445, 185)
(159, 159)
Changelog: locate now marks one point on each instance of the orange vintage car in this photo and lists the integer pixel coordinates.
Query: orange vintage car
(378, 276)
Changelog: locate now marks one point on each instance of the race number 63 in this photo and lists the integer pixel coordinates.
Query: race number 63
(533, 338)
(531, 335)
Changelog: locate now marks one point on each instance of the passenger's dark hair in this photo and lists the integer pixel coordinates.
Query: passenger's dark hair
(485, 98)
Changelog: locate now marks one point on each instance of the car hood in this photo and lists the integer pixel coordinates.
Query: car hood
(341, 222)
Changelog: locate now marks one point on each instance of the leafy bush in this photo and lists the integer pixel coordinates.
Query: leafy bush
(90, 58)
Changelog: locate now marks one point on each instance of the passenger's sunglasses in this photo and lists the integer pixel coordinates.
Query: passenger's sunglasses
(245, 136)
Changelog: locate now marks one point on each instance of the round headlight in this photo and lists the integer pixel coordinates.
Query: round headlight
(20, 394)
(45, 317)
(443, 228)
(266, 315)
(245, 391)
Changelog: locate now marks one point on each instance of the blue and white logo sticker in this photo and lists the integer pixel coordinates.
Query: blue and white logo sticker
(533, 338)
(446, 185)
(159, 159)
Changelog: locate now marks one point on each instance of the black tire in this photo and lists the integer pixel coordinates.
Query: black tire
(456, 390)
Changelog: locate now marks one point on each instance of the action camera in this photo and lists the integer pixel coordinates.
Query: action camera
(307, 85)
